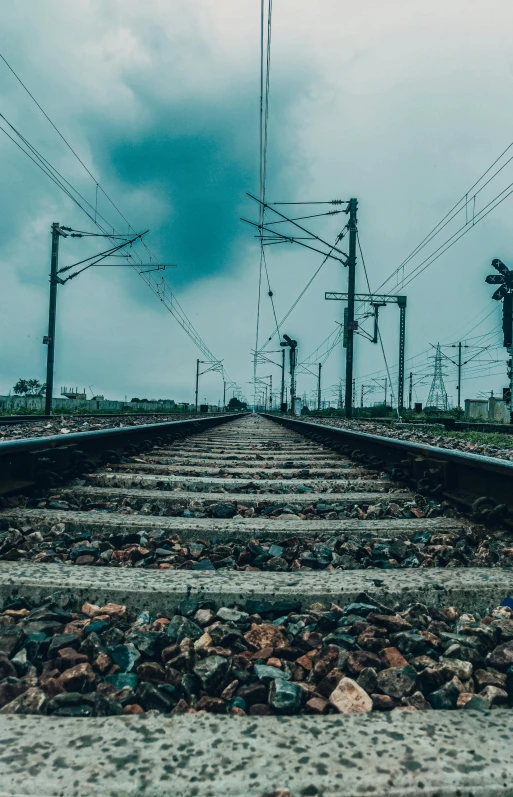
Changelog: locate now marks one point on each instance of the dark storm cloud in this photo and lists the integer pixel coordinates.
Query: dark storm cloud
(198, 161)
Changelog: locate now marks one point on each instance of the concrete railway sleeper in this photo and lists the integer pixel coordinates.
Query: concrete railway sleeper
(174, 621)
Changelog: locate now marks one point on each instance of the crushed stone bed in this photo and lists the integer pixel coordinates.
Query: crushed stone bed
(305, 505)
(259, 659)
(65, 424)
(151, 612)
(413, 434)
(161, 548)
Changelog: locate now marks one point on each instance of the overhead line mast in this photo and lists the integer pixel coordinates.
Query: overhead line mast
(351, 283)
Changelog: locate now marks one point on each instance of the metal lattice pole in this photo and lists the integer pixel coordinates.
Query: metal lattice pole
(437, 397)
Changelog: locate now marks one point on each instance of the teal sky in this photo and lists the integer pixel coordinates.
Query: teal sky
(400, 104)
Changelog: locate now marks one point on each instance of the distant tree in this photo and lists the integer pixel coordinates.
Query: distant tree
(29, 387)
(236, 404)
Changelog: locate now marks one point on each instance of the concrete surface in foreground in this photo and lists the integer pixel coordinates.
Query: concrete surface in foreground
(469, 589)
(404, 754)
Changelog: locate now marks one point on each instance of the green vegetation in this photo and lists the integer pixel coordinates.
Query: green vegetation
(29, 387)
(236, 404)
(482, 438)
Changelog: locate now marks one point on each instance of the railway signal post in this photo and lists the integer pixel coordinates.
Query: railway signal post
(504, 293)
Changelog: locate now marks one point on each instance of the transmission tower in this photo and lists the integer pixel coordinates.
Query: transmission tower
(437, 398)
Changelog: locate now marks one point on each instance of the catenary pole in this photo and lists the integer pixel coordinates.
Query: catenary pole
(351, 282)
(50, 340)
(197, 383)
(282, 391)
(401, 301)
(292, 352)
(459, 375)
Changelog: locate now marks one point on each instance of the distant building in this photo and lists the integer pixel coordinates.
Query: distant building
(74, 393)
(492, 410)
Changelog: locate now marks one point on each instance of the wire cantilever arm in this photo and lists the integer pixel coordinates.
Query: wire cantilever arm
(287, 239)
(103, 256)
(314, 216)
(299, 226)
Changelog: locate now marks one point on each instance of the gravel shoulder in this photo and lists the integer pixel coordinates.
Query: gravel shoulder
(486, 444)
(66, 424)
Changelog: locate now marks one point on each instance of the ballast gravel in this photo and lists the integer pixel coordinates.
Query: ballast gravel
(413, 434)
(470, 546)
(66, 424)
(257, 659)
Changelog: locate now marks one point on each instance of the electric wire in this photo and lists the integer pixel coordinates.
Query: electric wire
(64, 139)
(421, 267)
(161, 290)
(265, 85)
(298, 299)
(300, 218)
(413, 357)
(41, 162)
(377, 327)
(443, 222)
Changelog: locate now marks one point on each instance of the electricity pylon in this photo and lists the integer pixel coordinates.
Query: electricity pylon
(437, 398)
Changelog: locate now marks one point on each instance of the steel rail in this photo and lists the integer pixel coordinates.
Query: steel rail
(465, 478)
(48, 461)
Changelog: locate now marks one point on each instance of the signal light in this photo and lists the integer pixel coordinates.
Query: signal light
(500, 266)
(500, 293)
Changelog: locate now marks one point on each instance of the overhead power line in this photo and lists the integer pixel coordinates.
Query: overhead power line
(459, 206)
(160, 288)
(265, 87)
(300, 296)
(449, 243)
(63, 138)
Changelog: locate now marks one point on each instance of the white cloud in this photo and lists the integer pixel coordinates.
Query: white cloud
(401, 104)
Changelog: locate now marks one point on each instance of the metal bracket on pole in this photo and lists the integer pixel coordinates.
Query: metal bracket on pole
(380, 300)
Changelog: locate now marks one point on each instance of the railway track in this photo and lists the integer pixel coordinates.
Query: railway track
(260, 606)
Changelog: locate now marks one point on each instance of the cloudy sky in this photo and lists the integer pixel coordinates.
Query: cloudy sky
(403, 105)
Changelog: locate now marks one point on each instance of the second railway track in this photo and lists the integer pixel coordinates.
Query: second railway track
(248, 610)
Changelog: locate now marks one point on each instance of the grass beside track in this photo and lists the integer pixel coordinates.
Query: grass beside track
(482, 438)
